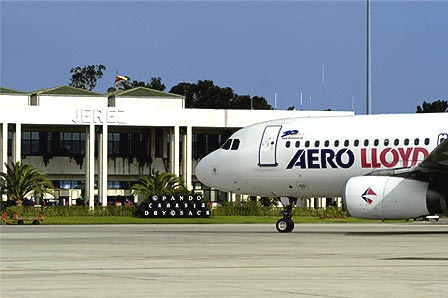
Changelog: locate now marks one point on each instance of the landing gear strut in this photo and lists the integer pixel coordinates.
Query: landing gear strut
(285, 224)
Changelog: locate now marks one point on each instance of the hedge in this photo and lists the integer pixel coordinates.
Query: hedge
(228, 209)
(64, 211)
(253, 209)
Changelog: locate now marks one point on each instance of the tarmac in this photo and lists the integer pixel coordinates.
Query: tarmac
(316, 260)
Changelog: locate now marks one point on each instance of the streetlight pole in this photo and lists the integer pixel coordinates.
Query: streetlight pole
(368, 66)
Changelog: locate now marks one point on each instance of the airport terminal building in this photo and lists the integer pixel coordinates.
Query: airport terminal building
(95, 146)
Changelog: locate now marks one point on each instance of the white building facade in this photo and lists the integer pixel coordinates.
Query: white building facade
(96, 145)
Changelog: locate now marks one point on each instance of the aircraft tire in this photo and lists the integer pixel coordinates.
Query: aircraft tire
(284, 225)
(36, 222)
(20, 222)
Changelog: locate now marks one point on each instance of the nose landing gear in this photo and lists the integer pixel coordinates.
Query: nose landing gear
(286, 224)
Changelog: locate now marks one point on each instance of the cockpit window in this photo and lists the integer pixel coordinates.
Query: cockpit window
(227, 144)
(235, 144)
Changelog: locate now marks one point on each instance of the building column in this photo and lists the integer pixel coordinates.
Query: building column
(231, 197)
(189, 158)
(184, 158)
(176, 162)
(339, 202)
(102, 166)
(90, 165)
(87, 164)
(17, 144)
(153, 146)
(164, 144)
(322, 201)
(147, 141)
(170, 136)
(4, 144)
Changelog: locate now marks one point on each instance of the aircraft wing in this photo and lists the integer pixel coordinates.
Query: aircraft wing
(437, 160)
(433, 168)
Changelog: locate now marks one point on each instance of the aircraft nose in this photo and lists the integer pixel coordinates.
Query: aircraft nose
(201, 170)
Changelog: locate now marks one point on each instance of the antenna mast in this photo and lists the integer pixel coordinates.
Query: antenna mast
(368, 72)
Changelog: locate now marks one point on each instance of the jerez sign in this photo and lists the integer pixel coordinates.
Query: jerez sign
(98, 116)
(166, 206)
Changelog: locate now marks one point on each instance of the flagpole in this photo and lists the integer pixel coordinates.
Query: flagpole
(323, 84)
(275, 101)
(368, 66)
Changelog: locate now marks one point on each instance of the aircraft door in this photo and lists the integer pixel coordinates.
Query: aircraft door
(267, 152)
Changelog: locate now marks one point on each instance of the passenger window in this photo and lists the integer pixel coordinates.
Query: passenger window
(346, 143)
(288, 144)
(406, 142)
(366, 143)
(426, 141)
(307, 144)
(327, 143)
(336, 143)
(235, 144)
(376, 142)
(297, 144)
(416, 142)
(396, 142)
(386, 142)
(356, 142)
(227, 144)
(317, 144)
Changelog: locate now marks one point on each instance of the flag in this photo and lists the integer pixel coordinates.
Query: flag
(120, 78)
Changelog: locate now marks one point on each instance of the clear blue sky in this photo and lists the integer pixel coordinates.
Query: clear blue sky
(257, 48)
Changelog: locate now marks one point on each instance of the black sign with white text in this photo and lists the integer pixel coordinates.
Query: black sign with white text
(174, 206)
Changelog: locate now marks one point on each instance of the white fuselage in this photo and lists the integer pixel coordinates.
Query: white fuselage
(305, 157)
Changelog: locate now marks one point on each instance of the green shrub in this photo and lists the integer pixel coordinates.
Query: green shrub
(249, 208)
(22, 211)
(332, 212)
(252, 208)
(68, 211)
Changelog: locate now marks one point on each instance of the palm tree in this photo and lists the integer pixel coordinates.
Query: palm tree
(158, 183)
(21, 180)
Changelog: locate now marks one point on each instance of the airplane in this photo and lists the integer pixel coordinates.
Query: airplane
(383, 166)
